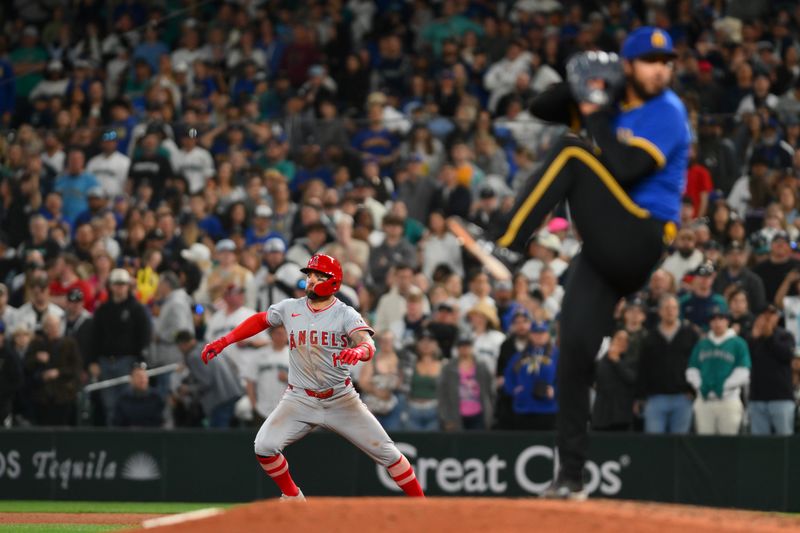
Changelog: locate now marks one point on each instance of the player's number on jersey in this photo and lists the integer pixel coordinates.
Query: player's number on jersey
(337, 360)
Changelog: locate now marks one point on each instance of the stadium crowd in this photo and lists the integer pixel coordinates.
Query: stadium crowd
(168, 167)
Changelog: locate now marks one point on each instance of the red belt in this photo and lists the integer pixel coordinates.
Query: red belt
(322, 394)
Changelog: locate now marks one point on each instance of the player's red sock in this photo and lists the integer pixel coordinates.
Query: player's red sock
(277, 468)
(403, 474)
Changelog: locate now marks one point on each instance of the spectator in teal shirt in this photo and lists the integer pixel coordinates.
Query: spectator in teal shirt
(29, 61)
(74, 185)
(449, 25)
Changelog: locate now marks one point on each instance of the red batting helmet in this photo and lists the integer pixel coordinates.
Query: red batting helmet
(329, 266)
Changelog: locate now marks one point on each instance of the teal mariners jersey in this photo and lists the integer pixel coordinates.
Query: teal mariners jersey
(660, 127)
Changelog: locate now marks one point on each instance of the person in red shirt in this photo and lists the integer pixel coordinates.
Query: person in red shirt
(698, 184)
(64, 278)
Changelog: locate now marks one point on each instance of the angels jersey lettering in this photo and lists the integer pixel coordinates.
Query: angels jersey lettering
(315, 339)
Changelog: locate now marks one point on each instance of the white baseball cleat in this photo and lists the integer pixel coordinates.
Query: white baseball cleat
(298, 498)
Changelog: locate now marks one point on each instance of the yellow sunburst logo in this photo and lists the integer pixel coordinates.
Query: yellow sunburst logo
(658, 40)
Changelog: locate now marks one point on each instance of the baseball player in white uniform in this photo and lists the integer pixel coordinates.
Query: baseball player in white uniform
(325, 338)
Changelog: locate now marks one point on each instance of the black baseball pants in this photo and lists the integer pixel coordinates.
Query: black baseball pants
(621, 246)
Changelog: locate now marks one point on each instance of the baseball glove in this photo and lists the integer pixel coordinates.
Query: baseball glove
(586, 68)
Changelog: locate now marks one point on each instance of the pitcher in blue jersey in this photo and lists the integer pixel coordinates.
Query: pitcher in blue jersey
(623, 182)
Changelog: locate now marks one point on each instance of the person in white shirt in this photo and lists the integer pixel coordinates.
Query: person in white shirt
(53, 155)
(393, 120)
(392, 305)
(440, 247)
(54, 83)
(266, 374)
(528, 131)
(545, 254)
(761, 94)
(686, 256)
(227, 318)
(193, 162)
(741, 195)
(499, 80)
(480, 289)
(189, 52)
(110, 166)
(277, 278)
(485, 323)
(32, 312)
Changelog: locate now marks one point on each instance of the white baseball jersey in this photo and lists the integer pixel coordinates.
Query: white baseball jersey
(111, 171)
(263, 370)
(315, 339)
(197, 166)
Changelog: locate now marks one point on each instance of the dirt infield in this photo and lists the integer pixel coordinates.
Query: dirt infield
(75, 518)
(461, 515)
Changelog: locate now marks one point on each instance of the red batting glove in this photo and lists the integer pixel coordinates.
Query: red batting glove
(213, 349)
(351, 356)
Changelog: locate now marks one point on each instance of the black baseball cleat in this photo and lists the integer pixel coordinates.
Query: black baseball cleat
(564, 489)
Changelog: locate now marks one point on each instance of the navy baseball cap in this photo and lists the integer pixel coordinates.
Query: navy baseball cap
(647, 41)
(540, 326)
(719, 312)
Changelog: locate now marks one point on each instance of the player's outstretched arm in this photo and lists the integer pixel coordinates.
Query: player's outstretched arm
(249, 327)
(363, 350)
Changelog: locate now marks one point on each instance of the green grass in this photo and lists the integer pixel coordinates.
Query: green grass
(58, 528)
(44, 506)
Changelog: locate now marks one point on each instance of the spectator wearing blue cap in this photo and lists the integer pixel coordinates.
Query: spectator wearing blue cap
(110, 166)
(517, 340)
(530, 380)
(123, 123)
(696, 305)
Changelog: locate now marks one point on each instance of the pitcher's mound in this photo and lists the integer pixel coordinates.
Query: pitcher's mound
(483, 515)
